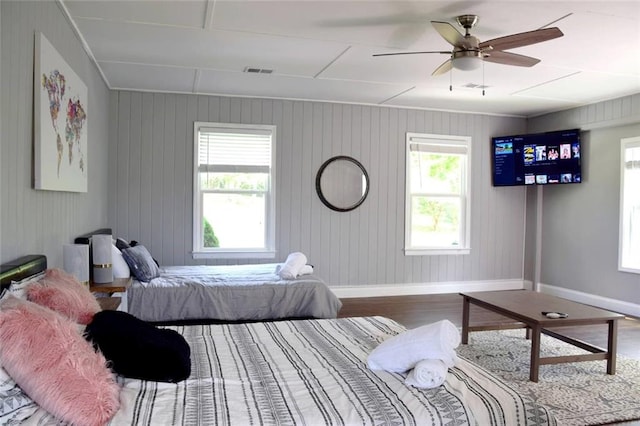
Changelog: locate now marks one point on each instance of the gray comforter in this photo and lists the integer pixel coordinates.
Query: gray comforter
(230, 292)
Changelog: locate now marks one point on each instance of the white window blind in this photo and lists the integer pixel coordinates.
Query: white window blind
(423, 145)
(227, 151)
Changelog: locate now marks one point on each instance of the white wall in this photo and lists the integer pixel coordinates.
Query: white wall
(40, 222)
(151, 185)
(580, 222)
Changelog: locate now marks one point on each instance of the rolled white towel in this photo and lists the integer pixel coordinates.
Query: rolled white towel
(427, 374)
(305, 270)
(292, 266)
(402, 352)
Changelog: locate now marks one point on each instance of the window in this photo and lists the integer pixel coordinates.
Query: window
(437, 208)
(629, 250)
(233, 191)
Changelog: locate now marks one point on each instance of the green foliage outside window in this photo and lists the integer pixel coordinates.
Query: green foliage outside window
(443, 175)
(210, 239)
(439, 212)
(235, 181)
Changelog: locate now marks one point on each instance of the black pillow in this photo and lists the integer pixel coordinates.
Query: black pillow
(121, 244)
(138, 349)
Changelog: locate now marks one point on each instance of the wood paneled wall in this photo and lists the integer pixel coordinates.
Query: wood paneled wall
(151, 185)
(580, 223)
(42, 221)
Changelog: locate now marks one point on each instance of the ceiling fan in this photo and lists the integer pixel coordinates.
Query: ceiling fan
(468, 52)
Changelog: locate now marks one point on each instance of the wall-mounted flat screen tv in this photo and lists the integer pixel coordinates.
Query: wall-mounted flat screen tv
(537, 159)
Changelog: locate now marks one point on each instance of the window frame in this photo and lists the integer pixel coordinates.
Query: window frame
(268, 251)
(626, 143)
(465, 217)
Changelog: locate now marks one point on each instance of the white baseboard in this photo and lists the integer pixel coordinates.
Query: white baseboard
(345, 292)
(593, 300)
(381, 290)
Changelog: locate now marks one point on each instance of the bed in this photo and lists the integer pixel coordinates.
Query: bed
(308, 372)
(251, 292)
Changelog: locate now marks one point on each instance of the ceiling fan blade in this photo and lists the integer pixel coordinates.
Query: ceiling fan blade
(443, 68)
(508, 58)
(449, 33)
(411, 53)
(522, 39)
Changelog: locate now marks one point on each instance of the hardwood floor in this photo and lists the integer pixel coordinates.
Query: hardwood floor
(414, 311)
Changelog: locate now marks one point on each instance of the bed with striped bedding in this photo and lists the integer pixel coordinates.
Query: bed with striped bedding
(313, 372)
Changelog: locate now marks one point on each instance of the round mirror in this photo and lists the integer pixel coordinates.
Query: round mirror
(342, 183)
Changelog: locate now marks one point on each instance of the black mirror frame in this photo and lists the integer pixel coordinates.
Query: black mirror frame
(319, 188)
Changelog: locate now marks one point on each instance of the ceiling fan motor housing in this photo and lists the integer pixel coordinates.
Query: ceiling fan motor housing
(467, 21)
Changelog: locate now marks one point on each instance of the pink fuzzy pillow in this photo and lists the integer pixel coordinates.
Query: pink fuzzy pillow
(63, 293)
(47, 357)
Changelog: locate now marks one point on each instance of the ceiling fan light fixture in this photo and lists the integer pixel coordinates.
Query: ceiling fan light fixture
(466, 60)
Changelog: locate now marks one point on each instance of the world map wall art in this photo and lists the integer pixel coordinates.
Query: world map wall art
(60, 122)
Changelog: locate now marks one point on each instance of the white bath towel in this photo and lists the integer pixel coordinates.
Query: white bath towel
(427, 374)
(305, 270)
(292, 266)
(402, 352)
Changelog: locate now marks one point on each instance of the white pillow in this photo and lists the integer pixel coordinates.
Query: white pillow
(19, 288)
(120, 267)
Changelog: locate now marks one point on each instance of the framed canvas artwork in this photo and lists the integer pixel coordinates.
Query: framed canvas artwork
(60, 122)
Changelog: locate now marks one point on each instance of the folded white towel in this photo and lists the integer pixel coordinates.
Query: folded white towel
(402, 352)
(305, 270)
(292, 266)
(427, 374)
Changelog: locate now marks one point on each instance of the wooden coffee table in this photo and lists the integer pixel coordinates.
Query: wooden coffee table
(526, 307)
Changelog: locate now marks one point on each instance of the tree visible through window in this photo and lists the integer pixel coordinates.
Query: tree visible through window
(210, 239)
(233, 190)
(437, 199)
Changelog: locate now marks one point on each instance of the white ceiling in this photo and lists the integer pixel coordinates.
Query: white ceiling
(322, 50)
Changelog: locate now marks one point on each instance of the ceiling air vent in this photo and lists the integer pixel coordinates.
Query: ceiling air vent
(256, 70)
(475, 86)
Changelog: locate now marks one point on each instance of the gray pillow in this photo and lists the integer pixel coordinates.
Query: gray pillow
(141, 263)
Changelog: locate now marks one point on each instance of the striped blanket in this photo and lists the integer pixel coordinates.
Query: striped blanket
(314, 372)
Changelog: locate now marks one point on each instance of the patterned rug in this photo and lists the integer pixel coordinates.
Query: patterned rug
(577, 393)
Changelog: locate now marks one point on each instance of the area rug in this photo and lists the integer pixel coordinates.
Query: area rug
(577, 394)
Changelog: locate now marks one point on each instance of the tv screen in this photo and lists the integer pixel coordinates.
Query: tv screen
(537, 159)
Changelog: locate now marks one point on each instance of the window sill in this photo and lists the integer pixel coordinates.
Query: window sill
(257, 254)
(629, 270)
(435, 251)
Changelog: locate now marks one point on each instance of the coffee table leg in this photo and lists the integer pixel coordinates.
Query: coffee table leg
(465, 320)
(535, 353)
(612, 346)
